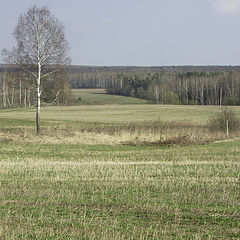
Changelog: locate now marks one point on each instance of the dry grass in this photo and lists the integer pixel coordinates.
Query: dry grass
(134, 133)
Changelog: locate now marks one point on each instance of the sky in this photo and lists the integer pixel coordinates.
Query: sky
(139, 32)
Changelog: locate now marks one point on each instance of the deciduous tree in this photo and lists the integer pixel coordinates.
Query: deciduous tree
(41, 47)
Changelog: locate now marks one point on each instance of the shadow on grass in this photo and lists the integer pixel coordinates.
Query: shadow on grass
(99, 93)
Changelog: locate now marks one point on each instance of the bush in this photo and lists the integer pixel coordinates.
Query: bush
(219, 121)
(141, 93)
(110, 91)
(170, 98)
(235, 101)
(126, 90)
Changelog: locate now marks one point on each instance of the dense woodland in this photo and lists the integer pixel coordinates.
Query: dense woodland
(203, 85)
(202, 88)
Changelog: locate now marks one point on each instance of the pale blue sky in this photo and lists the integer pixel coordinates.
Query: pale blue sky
(140, 32)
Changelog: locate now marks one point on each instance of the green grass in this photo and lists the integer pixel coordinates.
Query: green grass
(80, 179)
(104, 192)
(100, 97)
(119, 113)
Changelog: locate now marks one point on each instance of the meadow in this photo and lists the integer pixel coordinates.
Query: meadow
(99, 97)
(118, 171)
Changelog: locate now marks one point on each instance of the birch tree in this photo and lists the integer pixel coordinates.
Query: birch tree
(41, 47)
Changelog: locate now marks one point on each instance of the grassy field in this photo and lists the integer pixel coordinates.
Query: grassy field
(118, 172)
(120, 113)
(86, 96)
(100, 97)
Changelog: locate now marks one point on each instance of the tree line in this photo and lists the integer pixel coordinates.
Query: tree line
(198, 88)
(18, 90)
(166, 87)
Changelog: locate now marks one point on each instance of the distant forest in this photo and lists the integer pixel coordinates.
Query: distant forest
(203, 85)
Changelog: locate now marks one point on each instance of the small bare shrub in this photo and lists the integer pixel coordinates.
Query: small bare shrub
(223, 119)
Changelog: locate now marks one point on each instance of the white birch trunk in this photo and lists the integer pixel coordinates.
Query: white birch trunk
(29, 97)
(25, 98)
(13, 92)
(38, 98)
(20, 91)
(4, 92)
(220, 100)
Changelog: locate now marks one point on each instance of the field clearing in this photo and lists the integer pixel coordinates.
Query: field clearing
(100, 97)
(90, 174)
(119, 113)
(94, 97)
